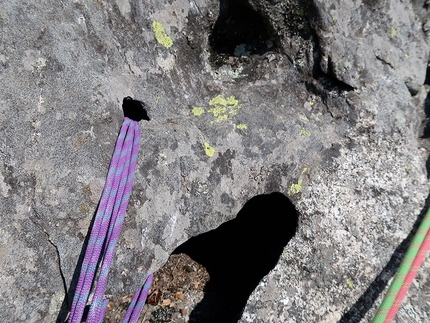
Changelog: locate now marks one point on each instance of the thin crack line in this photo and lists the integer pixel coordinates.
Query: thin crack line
(384, 61)
(41, 228)
(59, 265)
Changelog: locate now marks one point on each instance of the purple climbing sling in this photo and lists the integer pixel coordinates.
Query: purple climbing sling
(107, 226)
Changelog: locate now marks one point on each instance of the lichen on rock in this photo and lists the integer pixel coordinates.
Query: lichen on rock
(329, 87)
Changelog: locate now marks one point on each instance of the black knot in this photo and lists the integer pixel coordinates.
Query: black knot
(134, 109)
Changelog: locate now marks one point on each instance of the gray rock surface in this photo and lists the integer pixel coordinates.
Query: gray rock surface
(326, 116)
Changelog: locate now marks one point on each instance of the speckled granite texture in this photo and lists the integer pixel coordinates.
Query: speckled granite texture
(326, 107)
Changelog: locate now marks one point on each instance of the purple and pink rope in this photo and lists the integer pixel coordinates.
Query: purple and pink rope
(106, 230)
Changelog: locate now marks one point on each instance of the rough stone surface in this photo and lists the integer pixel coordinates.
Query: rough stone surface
(329, 115)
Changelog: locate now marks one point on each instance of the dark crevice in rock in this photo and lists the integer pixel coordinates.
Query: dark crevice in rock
(326, 79)
(337, 105)
(428, 167)
(241, 31)
(427, 80)
(366, 301)
(239, 253)
(42, 229)
(411, 88)
(134, 109)
(384, 61)
(59, 265)
(426, 131)
(427, 105)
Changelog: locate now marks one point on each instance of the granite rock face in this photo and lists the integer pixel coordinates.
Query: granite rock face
(325, 106)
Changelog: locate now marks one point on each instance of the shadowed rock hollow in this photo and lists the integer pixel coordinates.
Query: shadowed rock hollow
(324, 106)
(239, 253)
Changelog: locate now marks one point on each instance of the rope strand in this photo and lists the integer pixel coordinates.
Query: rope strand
(403, 271)
(409, 278)
(98, 232)
(136, 305)
(106, 231)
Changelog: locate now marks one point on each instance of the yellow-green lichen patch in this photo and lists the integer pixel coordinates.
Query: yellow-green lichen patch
(197, 111)
(304, 170)
(219, 113)
(349, 283)
(209, 150)
(160, 34)
(221, 108)
(393, 32)
(219, 100)
(305, 132)
(242, 126)
(295, 188)
(302, 117)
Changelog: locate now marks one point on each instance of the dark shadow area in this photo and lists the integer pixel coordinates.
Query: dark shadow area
(427, 80)
(241, 31)
(134, 109)
(367, 300)
(426, 131)
(239, 253)
(428, 167)
(326, 81)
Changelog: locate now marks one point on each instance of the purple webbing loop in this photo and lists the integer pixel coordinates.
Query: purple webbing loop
(107, 226)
